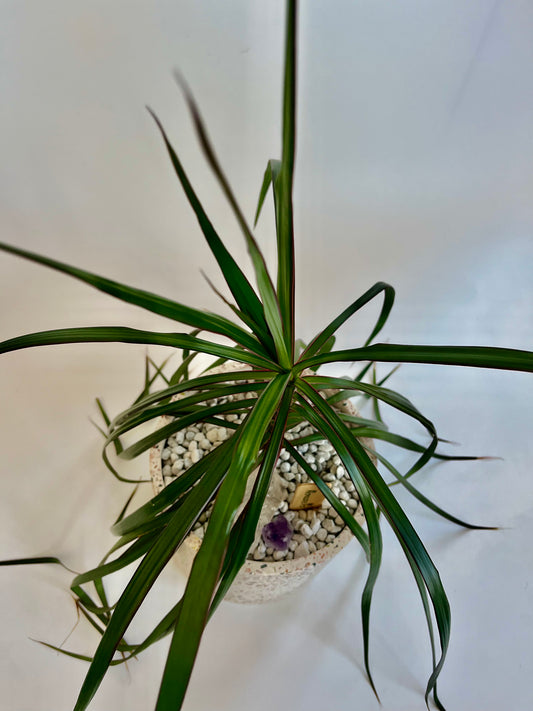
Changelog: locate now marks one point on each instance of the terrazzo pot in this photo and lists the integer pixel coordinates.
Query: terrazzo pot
(259, 581)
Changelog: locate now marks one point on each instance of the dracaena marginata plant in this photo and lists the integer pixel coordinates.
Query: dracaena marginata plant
(280, 376)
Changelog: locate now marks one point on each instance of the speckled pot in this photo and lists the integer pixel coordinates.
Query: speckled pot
(259, 581)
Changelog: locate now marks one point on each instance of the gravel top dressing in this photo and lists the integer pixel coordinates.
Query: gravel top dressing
(289, 532)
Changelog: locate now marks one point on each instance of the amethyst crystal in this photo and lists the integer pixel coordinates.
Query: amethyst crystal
(278, 533)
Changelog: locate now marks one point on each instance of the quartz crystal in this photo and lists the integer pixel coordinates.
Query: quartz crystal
(278, 533)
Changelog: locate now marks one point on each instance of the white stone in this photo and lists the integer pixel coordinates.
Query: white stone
(279, 555)
(302, 550)
(330, 526)
(322, 534)
(212, 435)
(195, 456)
(306, 530)
(177, 466)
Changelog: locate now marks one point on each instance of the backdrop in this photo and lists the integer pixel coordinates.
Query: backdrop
(415, 166)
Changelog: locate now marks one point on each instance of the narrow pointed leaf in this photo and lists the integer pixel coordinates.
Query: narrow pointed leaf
(284, 208)
(474, 356)
(316, 344)
(399, 522)
(121, 334)
(237, 282)
(264, 283)
(151, 302)
(271, 173)
(209, 559)
(143, 579)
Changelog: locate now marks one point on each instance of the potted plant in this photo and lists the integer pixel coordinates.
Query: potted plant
(281, 376)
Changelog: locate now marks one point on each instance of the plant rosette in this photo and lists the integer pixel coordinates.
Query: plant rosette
(317, 533)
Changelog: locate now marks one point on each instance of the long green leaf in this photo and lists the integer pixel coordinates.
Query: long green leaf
(371, 516)
(243, 532)
(316, 344)
(266, 289)
(202, 382)
(121, 334)
(208, 561)
(238, 284)
(399, 522)
(152, 302)
(143, 579)
(474, 356)
(199, 415)
(284, 208)
(172, 492)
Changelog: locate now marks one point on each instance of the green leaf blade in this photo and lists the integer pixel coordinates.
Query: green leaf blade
(208, 561)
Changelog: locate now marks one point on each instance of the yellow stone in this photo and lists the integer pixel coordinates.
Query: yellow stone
(306, 496)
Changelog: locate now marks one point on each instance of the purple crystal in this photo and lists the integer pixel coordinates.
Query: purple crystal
(278, 533)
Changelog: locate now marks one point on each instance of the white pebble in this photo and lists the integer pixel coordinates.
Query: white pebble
(279, 555)
(177, 466)
(212, 435)
(306, 531)
(302, 550)
(330, 526)
(165, 454)
(195, 456)
(322, 534)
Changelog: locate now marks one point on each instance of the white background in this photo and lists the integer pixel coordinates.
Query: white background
(415, 166)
